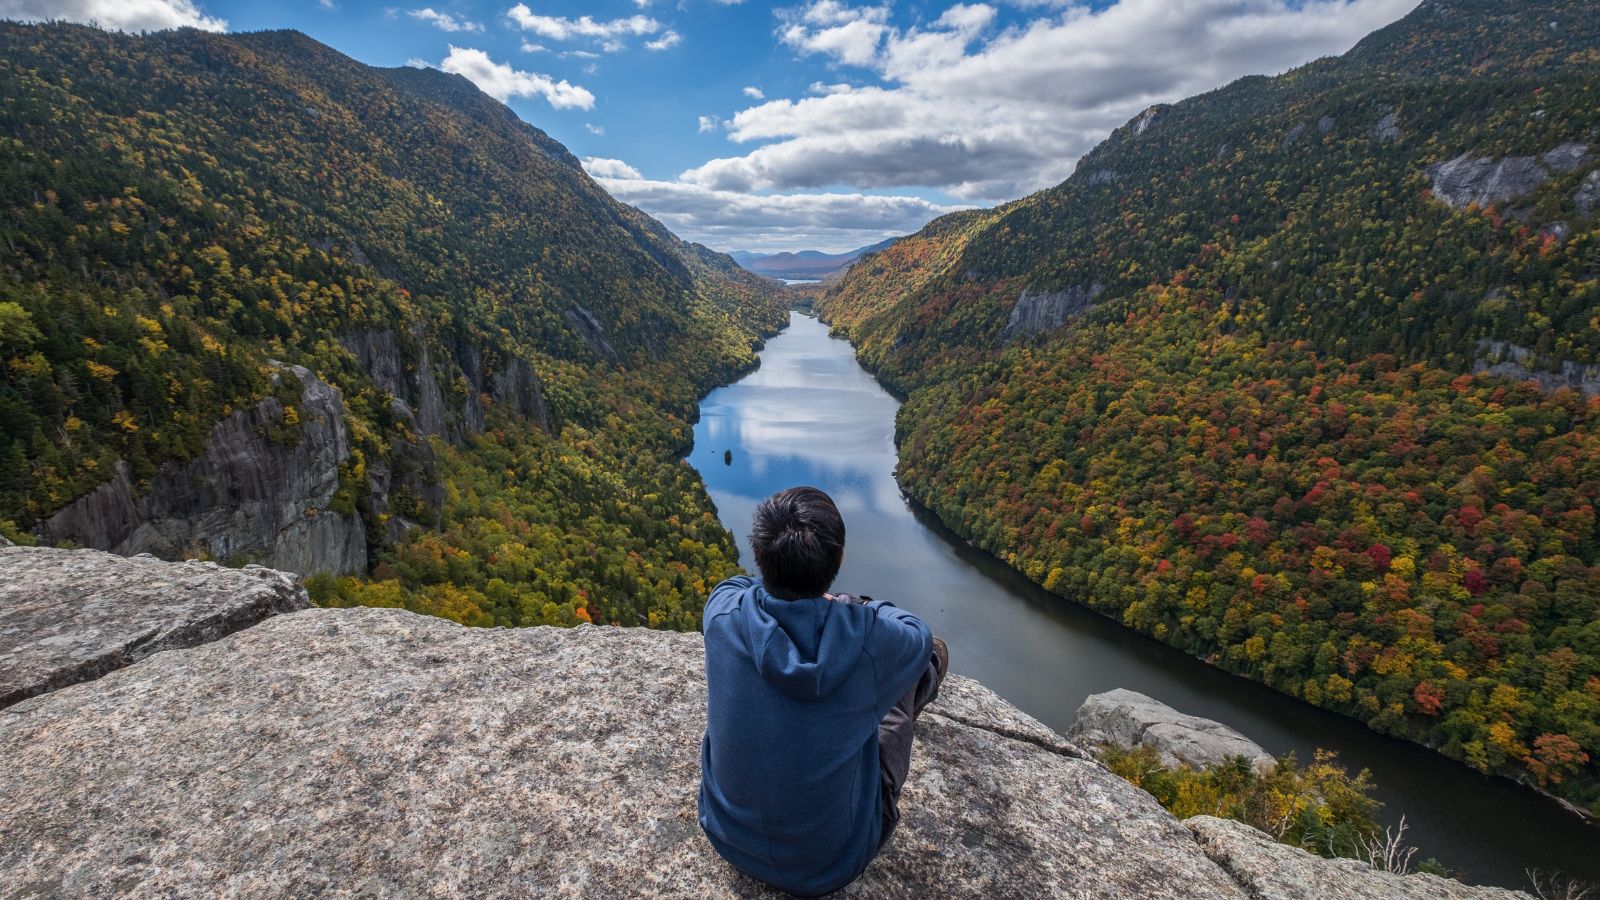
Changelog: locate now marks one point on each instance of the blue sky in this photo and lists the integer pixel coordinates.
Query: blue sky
(819, 124)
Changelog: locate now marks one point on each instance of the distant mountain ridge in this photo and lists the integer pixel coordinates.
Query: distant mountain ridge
(804, 264)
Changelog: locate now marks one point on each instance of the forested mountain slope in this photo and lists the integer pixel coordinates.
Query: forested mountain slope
(257, 298)
(1238, 382)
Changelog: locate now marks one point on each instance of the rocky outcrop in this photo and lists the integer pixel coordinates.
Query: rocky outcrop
(1587, 198)
(517, 388)
(1045, 310)
(420, 399)
(1272, 871)
(411, 383)
(376, 752)
(1388, 126)
(369, 752)
(1129, 719)
(592, 332)
(1485, 180)
(258, 490)
(70, 616)
(1517, 362)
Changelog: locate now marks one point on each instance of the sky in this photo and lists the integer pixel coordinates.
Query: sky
(819, 124)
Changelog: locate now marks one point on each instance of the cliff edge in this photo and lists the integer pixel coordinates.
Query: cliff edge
(369, 752)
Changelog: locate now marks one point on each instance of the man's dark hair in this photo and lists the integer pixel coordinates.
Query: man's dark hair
(798, 538)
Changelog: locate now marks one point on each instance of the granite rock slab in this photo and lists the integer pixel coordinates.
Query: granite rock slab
(1273, 871)
(68, 616)
(377, 753)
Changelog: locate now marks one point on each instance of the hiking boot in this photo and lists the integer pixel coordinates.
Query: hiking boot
(941, 665)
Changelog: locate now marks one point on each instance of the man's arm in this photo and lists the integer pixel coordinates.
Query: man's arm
(901, 646)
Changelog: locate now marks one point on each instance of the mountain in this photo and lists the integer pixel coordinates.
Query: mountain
(806, 264)
(260, 302)
(1299, 376)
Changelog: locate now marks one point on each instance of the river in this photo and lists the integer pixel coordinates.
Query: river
(811, 415)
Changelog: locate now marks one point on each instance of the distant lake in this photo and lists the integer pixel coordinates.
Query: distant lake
(801, 280)
(812, 415)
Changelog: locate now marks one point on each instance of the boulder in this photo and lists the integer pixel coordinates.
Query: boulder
(71, 616)
(1129, 719)
(1269, 870)
(381, 753)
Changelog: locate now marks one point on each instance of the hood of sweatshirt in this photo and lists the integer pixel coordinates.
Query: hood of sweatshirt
(806, 648)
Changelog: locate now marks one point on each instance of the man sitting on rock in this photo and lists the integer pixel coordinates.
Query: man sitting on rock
(811, 702)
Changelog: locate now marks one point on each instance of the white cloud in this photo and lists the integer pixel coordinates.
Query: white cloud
(122, 15)
(531, 47)
(990, 114)
(709, 123)
(600, 167)
(443, 21)
(560, 28)
(502, 82)
(771, 222)
(669, 39)
(593, 128)
(754, 93)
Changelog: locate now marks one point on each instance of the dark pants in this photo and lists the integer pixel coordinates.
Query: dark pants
(894, 744)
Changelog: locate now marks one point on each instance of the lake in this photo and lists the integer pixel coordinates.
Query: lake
(811, 415)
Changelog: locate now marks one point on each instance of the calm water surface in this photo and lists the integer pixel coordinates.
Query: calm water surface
(811, 415)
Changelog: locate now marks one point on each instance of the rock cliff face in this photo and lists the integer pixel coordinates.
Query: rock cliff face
(409, 376)
(1043, 311)
(1130, 719)
(259, 491)
(1485, 180)
(1513, 361)
(378, 753)
(1588, 197)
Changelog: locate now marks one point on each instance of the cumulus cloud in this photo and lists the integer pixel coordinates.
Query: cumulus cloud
(609, 32)
(502, 82)
(122, 15)
(754, 93)
(600, 167)
(709, 123)
(443, 21)
(769, 222)
(667, 39)
(989, 113)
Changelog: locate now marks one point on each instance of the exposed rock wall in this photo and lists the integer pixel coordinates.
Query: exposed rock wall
(419, 397)
(1485, 180)
(1514, 361)
(1588, 197)
(1045, 310)
(1129, 719)
(245, 497)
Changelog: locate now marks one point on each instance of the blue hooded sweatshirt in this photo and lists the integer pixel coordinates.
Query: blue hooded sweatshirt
(790, 791)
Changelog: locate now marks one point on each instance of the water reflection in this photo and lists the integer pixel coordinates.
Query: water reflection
(811, 415)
